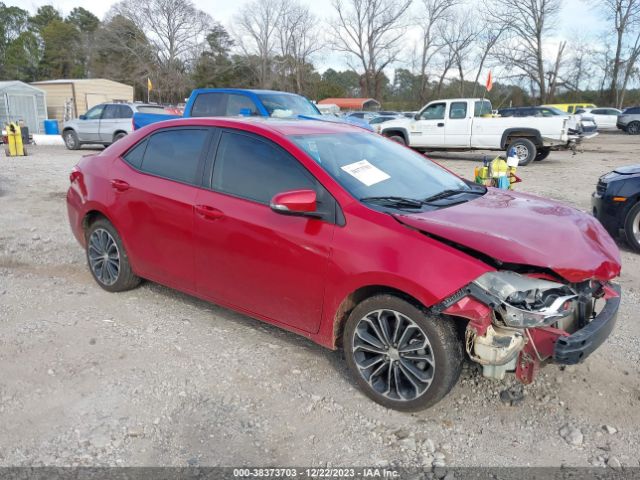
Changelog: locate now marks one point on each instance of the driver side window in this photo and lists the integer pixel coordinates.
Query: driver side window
(434, 112)
(95, 113)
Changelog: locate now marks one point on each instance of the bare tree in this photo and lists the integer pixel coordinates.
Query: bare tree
(529, 22)
(489, 33)
(371, 33)
(625, 16)
(176, 31)
(458, 36)
(257, 33)
(299, 40)
(433, 15)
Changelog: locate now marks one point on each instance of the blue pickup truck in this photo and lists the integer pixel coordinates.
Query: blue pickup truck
(233, 102)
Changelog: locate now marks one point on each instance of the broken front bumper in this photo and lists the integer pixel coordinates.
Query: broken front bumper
(576, 347)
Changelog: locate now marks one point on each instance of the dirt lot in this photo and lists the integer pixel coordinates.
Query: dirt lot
(155, 377)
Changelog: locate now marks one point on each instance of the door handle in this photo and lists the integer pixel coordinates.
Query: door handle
(119, 185)
(207, 212)
(441, 124)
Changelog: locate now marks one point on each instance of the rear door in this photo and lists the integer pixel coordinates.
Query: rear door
(155, 186)
(89, 125)
(458, 125)
(248, 256)
(114, 118)
(428, 129)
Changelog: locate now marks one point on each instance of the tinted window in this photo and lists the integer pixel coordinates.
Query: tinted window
(507, 112)
(251, 168)
(458, 110)
(209, 105)
(434, 112)
(632, 110)
(135, 155)
(124, 111)
(175, 154)
(240, 105)
(110, 112)
(94, 113)
(570, 109)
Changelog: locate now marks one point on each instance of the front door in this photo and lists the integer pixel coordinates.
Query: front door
(89, 125)
(156, 185)
(428, 129)
(248, 256)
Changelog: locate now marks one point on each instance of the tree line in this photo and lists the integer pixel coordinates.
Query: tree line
(434, 48)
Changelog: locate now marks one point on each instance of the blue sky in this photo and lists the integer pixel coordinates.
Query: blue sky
(577, 19)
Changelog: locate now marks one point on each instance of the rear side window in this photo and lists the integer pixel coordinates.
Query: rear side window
(134, 156)
(458, 110)
(124, 111)
(256, 170)
(209, 105)
(174, 154)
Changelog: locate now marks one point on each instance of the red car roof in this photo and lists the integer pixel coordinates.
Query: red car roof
(257, 124)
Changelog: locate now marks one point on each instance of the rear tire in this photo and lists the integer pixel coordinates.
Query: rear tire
(542, 154)
(107, 259)
(412, 363)
(632, 227)
(633, 128)
(526, 150)
(119, 136)
(398, 139)
(71, 140)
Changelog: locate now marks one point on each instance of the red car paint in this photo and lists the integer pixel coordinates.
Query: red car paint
(302, 273)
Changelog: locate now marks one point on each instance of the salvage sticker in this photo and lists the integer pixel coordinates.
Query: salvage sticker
(365, 172)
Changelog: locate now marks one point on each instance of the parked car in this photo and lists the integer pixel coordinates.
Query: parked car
(584, 123)
(376, 122)
(571, 107)
(352, 241)
(605, 118)
(235, 102)
(629, 121)
(104, 124)
(468, 124)
(366, 116)
(616, 203)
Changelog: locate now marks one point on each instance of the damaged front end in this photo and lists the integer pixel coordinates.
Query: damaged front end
(517, 322)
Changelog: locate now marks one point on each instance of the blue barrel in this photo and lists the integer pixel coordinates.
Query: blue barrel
(51, 127)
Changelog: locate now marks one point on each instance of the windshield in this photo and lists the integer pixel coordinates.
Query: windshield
(283, 105)
(556, 111)
(368, 165)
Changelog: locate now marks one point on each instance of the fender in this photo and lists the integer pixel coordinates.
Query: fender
(521, 132)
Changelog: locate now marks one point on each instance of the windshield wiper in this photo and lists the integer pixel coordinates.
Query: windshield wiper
(450, 192)
(398, 202)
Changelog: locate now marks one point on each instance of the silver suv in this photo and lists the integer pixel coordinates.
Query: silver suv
(629, 120)
(104, 124)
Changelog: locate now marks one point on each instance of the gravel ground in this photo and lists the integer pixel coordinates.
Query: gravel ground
(154, 377)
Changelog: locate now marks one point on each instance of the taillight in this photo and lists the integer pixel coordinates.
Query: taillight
(74, 175)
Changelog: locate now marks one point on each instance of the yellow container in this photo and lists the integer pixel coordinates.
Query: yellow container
(14, 139)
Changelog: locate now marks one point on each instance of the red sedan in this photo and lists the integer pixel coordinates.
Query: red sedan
(353, 241)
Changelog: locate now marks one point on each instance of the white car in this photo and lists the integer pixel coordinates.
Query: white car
(605, 118)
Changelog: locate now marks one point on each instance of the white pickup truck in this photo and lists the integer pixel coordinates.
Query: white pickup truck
(467, 124)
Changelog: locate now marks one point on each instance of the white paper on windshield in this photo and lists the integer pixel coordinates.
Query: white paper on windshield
(366, 173)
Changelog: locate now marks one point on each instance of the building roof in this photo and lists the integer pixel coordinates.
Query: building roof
(349, 103)
(12, 83)
(75, 80)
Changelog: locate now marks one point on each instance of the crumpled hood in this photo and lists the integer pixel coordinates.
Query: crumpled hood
(527, 230)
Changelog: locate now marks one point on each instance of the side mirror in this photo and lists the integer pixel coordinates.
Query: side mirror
(82, 117)
(295, 202)
(416, 116)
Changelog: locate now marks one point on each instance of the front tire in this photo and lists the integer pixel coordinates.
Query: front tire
(526, 150)
(107, 258)
(71, 140)
(398, 139)
(632, 227)
(401, 357)
(633, 128)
